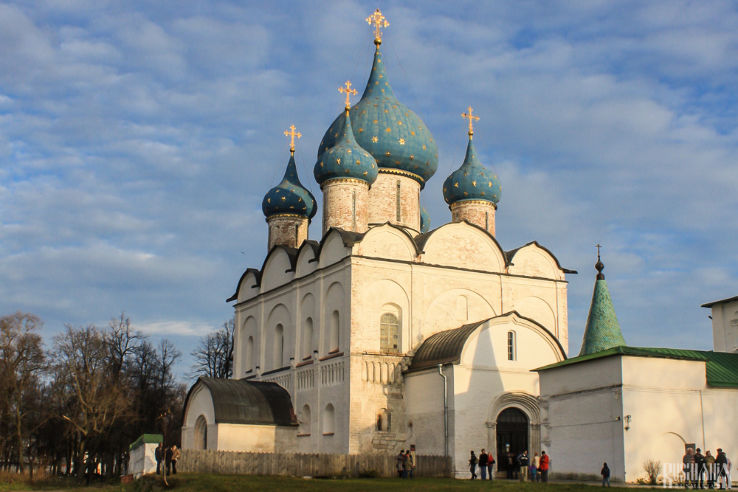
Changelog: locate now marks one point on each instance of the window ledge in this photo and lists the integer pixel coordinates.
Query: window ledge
(304, 363)
(328, 433)
(331, 355)
(303, 435)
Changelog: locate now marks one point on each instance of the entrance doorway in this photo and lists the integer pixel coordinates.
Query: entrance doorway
(512, 438)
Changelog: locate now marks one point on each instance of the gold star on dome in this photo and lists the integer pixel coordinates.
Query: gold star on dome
(375, 139)
(377, 21)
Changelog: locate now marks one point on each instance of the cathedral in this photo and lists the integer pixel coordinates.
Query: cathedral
(385, 333)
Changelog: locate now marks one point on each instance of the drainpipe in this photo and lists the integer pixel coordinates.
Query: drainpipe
(445, 409)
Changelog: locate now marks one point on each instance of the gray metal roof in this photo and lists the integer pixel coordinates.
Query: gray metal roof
(710, 304)
(238, 401)
(443, 347)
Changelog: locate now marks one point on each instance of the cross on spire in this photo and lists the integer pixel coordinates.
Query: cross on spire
(346, 88)
(598, 245)
(377, 21)
(470, 116)
(599, 266)
(292, 134)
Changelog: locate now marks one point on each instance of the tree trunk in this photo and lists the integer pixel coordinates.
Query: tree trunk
(19, 437)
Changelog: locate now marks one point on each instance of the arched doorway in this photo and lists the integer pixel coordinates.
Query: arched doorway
(512, 436)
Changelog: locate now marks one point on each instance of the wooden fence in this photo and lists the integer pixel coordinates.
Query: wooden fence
(300, 465)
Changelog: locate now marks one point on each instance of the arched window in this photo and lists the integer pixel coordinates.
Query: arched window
(389, 334)
(201, 433)
(384, 420)
(333, 332)
(329, 417)
(250, 354)
(307, 339)
(278, 347)
(512, 346)
(305, 421)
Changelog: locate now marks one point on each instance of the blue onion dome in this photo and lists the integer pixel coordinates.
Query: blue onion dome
(472, 181)
(345, 159)
(289, 196)
(396, 137)
(425, 220)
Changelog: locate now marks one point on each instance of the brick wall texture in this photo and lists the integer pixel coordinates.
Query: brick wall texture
(287, 230)
(480, 213)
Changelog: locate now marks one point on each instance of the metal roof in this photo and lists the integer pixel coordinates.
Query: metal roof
(721, 367)
(238, 401)
(710, 304)
(442, 347)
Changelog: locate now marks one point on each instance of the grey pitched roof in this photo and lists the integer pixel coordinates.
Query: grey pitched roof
(238, 401)
(710, 304)
(443, 347)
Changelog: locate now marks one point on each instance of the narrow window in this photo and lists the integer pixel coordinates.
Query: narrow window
(397, 200)
(389, 334)
(353, 209)
(305, 421)
(307, 339)
(278, 347)
(329, 416)
(486, 221)
(250, 354)
(333, 332)
(511, 348)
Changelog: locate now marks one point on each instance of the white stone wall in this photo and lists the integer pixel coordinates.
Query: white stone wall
(460, 277)
(668, 402)
(142, 460)
(725, 326)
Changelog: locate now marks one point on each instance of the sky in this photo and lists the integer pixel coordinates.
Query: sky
(137, 140)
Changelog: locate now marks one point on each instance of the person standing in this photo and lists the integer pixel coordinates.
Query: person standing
(605, 472)
(175, 457)
(534, 467)
(159, 455)
(473, 465)
(699, 463)
(490, 466)
(406, 465)
(510, 464)
(710, 469)
(688, 462)
(399, 459)
(545, 463)
(523, 461)
(168, 453)
(723, 468)
(483, 464)
(413, 462)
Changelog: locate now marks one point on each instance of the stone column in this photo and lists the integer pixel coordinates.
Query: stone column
(287, 230)
(478, 212)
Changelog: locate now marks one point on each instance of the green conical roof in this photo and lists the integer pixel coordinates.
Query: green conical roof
(603, 330)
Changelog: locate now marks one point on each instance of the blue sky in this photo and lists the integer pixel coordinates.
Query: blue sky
(137, 140)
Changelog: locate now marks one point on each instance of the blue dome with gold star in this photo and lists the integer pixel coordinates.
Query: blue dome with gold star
(472, 181)
(289, 196)
(395, 136)
(345, 159)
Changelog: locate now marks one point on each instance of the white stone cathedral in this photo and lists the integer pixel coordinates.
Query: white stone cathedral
(384, 333)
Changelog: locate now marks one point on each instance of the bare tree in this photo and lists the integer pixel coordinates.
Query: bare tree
(21, 361)
(214, 354)
(96, 400)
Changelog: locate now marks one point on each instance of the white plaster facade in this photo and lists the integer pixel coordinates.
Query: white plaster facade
(310, 320)
(626, 410)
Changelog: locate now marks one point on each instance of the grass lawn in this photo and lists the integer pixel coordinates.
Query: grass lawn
(201, 482)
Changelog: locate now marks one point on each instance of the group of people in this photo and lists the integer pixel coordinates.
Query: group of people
(406, 463)
(520, 466)
(701, 469)
(170, 456)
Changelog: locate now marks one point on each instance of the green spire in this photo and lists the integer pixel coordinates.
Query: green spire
(603, 330)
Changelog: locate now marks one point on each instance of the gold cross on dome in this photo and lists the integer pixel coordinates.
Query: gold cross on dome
(346, 88)
(470, 116)
(292, 134)
(377, 21)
